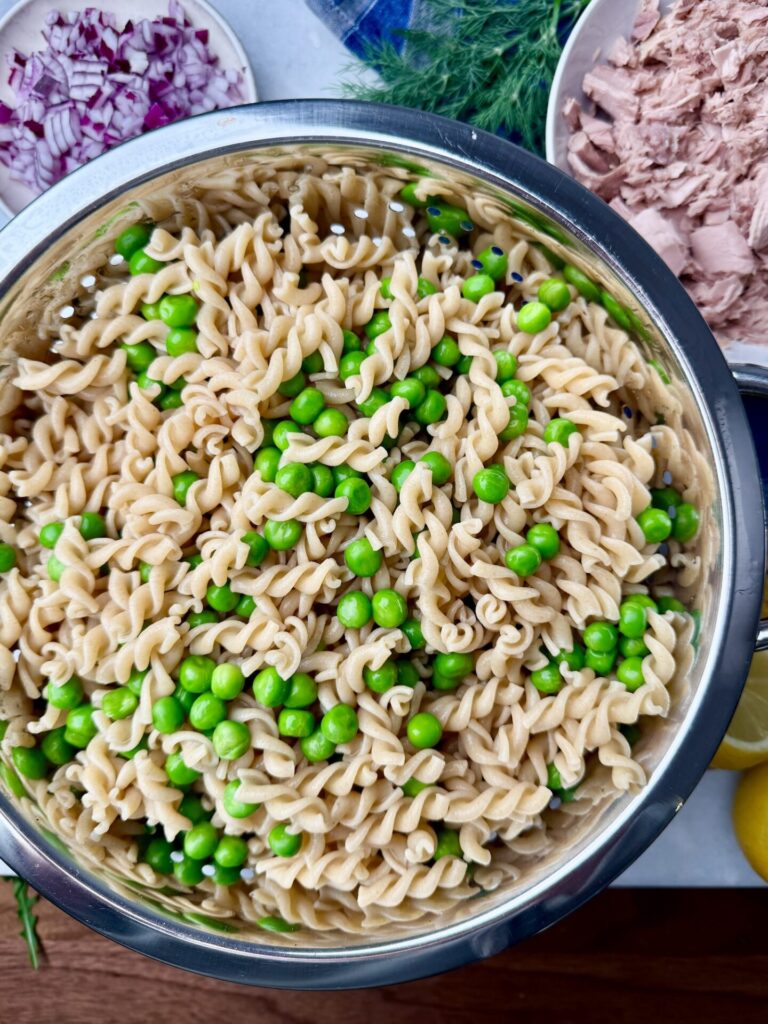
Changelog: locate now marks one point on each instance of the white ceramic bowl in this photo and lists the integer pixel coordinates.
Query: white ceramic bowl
(21, 29)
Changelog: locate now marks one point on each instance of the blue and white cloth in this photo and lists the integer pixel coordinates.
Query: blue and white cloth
(360, 23)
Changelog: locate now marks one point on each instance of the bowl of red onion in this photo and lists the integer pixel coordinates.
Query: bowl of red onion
(81, 80)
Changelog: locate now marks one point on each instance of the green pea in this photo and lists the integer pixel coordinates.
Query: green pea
(296, 723)
(412, 630)
(227, 682)
(615, 310)
(575, 659)
(291, 387)
(140, 356)
(307, 406)
(136, 679)
(207, 712)
(181, 484)
(519, 389)
(544, 537)
(119, 703)
(643, 600)
(344, 473)
(464, 364)
(390, 609)
(632, 620)
(180, 340)
(283, 430)
(331, 423)
(378, 324)
(158, 856)
(201, 841)
(361, 559)
(167, 715)
(554, 781)
(686, 523)
(50, 534)
(145, 571)
(660, 370)
(205, 617)
(377, 398)
(408, 195)
(454, 666)
(425, 288)
(178, 310)
(584, 285)
(494, 262)
(354, 610)
(196, 672)
(268, 430)
(236, 808)
(431, 410)
(439, 466)
(221, 599)
(284, 843)
(554, 294)
(92, 526)
(64, 695)
(518, 423)
(446, 352)
(12, 781)
(133, 238)
(322, 480)
(269, 687)
(80, 726)
(491, 484)
(630, 672)
(386, 287)
(655, 524)
(632, 648)
(631, 733)
(188, 872)
(150, 310)
(411, 389)
(55, 568)
(407, 673)
(601, 637)
(130, 754)
(601, 662)
(302, 691)
(443, 682)
(381, 679)
(424, 730)
(412, 787)
(670, 604)
(548, 679)
(258, 549)
(231, 740)
(448, 844)
(357, 493)
(477, 286)
(523, 560)
(55, 747)
(559, 430)
(246, 606)
(444, 218)
(428, 376)
(506, 365)
(317, 747)
(266, 464)
(340, 724)
(666, 498)
(231, 852)
(282, 535)
(350, 364)
(277, 924)
(191, 807)
(351, 342)
(295, 479)
(185, 697)
(533, 317)
(313, 363)
(145, 382)
(140, 263)
(401, 472)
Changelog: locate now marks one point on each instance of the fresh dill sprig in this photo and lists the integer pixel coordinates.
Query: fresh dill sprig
(484, 62)
(25, 908)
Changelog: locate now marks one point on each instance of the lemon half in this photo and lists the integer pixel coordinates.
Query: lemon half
(745, 744)
(750, 818)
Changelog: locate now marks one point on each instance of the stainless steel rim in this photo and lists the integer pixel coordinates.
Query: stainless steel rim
(616, 846)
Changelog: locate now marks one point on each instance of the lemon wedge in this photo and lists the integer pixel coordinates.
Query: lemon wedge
(745, 744)
(750, 818)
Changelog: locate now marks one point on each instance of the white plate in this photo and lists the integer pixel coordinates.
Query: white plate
(21, 29)
(603, 22)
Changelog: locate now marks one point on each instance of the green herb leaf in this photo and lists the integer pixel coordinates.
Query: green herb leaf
(485, 63)
(25, 903)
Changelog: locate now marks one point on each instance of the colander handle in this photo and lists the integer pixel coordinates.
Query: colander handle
(753, 381)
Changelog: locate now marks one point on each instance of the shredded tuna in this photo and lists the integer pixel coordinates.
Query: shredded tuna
(675, 138)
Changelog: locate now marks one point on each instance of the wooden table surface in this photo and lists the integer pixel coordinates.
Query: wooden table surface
(650, 956)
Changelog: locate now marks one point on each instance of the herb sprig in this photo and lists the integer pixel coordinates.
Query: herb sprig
(484, 62)
(25, 908)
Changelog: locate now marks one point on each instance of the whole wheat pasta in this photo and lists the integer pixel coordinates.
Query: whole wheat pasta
(184, 621)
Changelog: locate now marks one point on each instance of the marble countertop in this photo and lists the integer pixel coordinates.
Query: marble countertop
(295, 56)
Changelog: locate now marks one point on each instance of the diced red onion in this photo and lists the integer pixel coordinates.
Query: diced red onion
(95, 85)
